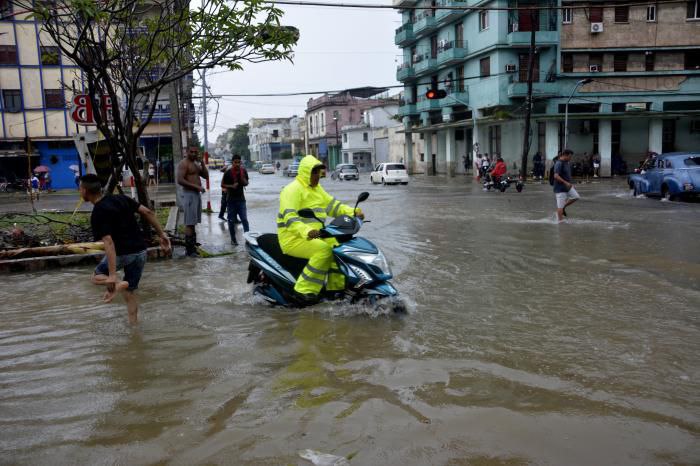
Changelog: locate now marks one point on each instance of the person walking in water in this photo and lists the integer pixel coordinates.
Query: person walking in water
(234, 181)
(113, 222)
(564, 190)
(189, 173)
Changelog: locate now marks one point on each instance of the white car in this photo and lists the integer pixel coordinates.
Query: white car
(389, 173)
(267, 169)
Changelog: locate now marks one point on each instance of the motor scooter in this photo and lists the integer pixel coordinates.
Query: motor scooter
(366, 270)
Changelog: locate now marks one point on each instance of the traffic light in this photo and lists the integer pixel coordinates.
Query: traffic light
(435, 94)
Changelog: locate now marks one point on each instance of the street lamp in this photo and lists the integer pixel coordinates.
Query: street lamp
(566, 109)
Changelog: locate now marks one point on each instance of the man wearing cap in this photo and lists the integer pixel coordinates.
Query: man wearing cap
(300, 237)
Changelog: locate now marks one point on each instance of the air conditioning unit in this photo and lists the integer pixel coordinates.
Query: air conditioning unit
(442, 43)
(510, 68)
(415, 58)
(596, 28)
(514, 27)
(594, 68)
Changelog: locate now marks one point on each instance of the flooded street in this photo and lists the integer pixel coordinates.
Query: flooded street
(526, 342)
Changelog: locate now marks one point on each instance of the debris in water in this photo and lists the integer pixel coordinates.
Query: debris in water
(323, 459)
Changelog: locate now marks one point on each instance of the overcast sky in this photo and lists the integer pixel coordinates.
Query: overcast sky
(338, 48)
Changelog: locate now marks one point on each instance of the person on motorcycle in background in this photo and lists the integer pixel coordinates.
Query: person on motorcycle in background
(499, 170)
(300, 237)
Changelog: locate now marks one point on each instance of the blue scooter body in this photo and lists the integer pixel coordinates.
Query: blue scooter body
(366, 271)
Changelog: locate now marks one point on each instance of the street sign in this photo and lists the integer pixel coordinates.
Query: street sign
(82, 112)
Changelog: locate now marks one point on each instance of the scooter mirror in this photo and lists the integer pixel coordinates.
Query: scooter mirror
(307, 213)
(362, 197)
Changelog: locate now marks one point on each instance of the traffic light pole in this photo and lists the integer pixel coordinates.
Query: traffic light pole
(528, 114)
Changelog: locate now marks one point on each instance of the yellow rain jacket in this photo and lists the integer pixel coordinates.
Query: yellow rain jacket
(299, 195)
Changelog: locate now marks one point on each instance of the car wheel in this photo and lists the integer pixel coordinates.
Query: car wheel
(383, 182)
(666, 194)
(404, 183)
(635, 191)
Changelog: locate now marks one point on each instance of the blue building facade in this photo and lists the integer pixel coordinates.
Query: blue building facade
(480, 57)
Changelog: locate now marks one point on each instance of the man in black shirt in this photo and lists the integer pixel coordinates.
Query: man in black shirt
(114, 223)
(234, 180)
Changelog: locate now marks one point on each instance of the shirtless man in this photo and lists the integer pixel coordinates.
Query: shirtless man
(189, 172)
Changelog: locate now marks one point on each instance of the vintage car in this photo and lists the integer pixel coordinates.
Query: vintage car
(345, 171)
(671, 176)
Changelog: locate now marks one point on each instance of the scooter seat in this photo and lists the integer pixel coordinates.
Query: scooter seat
(271, 245)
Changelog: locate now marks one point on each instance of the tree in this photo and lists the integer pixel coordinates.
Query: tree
(238, 141)
(130, 50)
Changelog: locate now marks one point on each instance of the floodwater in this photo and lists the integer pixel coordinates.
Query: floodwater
(526, 342)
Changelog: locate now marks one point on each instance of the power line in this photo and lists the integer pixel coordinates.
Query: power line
(461, 8)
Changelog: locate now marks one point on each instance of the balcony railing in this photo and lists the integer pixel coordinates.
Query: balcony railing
(450, 52)
(404, 34)
(425, 22)
(445, 14)
(404, 71)
(424, 63)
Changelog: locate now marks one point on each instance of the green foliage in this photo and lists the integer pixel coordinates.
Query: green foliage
(286, 154)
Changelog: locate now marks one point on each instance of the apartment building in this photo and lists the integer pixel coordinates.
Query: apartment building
(37, 85)
(275, 138)
(325, 116)
(644, 65)
(641, 60)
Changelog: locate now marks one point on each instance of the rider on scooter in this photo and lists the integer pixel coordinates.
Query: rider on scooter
(498, 171)
(299, 237)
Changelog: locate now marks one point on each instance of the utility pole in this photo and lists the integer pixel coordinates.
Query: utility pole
(204, 121)
(30, 189)
(530, 71)
(175, 119)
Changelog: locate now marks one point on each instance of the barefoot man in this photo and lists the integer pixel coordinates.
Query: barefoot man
(189, 172)
(114, 223)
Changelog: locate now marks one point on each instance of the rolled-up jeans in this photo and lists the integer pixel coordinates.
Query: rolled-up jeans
(236, 207)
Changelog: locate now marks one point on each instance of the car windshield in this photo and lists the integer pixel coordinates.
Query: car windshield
(692, 161)
(347, 167)
(395, 166)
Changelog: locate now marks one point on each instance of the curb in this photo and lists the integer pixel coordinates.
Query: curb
(32, 264)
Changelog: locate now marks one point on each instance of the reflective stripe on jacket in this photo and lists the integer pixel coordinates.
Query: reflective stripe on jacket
(299, 195)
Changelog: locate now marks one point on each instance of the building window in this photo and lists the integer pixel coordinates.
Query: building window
(422, 157)
(566, 16)
(693, 10)
(345, 137)
(620, 62)
(50, 56)
(12, 100)
(460, 78)
(365, 137)
(5, 9)
(8, 54)
(567, 63)
(483, 20)
(53, 98)
(311, 125)
(651, 13)
(692, 60)
(323, 120)
(287, 133)
(622, 14)
(595, 60)
(495, 140)
(596, 14)
(523, 62)
(485, 67)
(649, 61)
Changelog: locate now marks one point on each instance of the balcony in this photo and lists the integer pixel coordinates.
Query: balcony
(405, 72)
(404, 34)
(427, 105)
(456, 97)
(425, 23)
(448, 15)
(407, 108)
(402, 3)
(518, 88)
(424, 64)
(451, 52)
(541, 38)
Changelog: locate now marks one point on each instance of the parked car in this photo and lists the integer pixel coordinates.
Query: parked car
(267, 169)
(345, 171)
(671, 176)
(257, 165)
(291, 170)
(389, 173)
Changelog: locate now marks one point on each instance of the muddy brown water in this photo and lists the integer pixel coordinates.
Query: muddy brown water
(526, 342)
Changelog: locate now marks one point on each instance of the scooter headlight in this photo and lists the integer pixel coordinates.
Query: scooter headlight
(377, 260)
